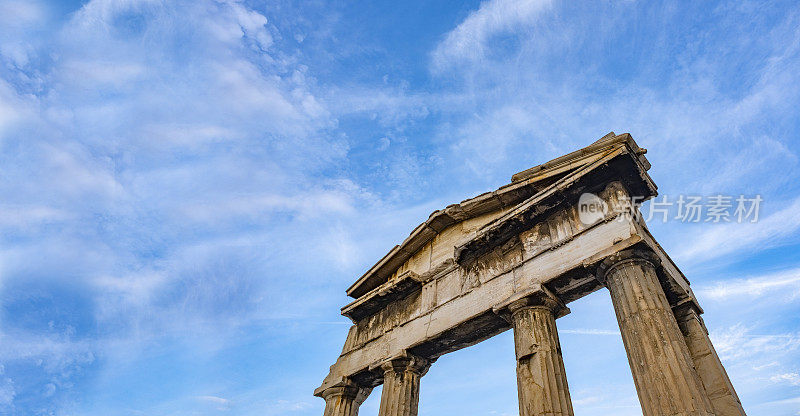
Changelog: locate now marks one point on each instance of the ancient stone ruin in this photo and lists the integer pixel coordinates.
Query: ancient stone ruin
(515, 258)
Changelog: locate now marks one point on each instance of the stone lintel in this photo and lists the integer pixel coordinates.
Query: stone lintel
(469, 317)
(478, 325)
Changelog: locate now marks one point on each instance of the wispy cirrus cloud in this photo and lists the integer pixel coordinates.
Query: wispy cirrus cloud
(156, 124)
(769, 231)
(469, 41)
(779, 285)
(791, 378)
(739, 342)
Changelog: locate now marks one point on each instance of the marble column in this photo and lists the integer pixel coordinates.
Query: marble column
(709, 368)
(344, 399)
(401, 379)
(541, 379)
(663, 371)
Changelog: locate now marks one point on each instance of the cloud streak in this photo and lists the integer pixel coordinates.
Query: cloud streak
(773, 230)
(467, 43)
(784, 284)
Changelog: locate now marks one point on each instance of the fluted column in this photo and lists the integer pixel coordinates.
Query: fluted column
(662, 368)
(401, 379)
(541, 379)
(709, 368)
(344, 399)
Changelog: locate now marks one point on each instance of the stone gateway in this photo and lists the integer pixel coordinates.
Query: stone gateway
(515, 258)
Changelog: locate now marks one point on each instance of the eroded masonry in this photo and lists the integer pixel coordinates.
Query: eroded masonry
(515, 258)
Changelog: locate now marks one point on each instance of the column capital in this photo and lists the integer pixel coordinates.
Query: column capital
(407, 362)
(347, 389)
(621, 258)
(537, 297)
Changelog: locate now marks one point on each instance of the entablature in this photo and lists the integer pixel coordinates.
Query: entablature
(534, 186)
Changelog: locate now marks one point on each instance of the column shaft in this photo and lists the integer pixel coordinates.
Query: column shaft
(663, 372)
(541, 379)
(401, 381)
(709, 368)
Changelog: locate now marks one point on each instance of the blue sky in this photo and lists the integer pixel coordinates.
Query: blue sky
(187, 188)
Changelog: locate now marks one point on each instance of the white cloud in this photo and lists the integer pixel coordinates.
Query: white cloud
(13, 108)
(291, 405)
(19, 20)
(136, 289)
(587, 400)
(738, 343)
(7, 390)
(392, 106)
(468, 41)
(791, 400)
(15, 12)
(311, 204)
(551, 82)
(26, 216)
(780, 285)
(218, 403)
(722, 240)
(152, 126)
(790, 378)
(99, 73)
(78, 173)
(487, 141)
(187, 135)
